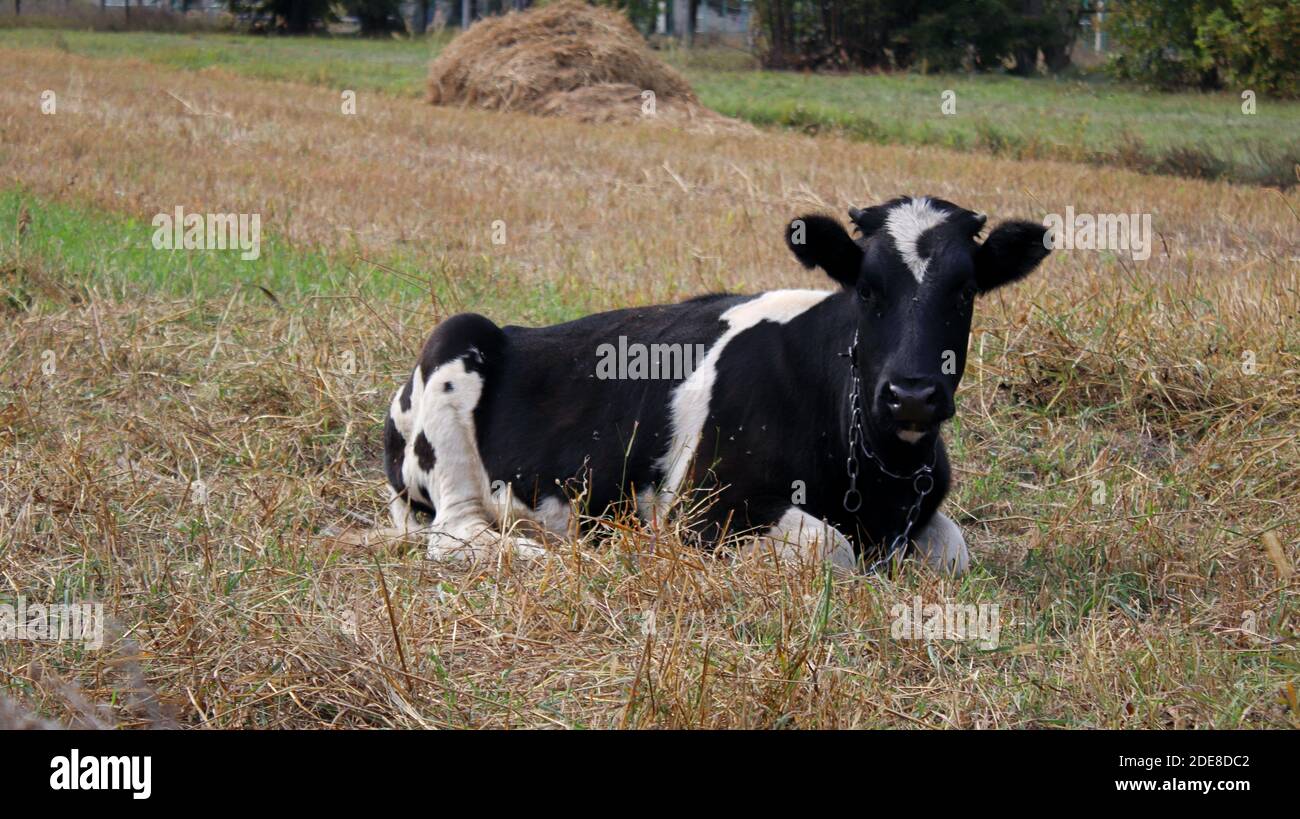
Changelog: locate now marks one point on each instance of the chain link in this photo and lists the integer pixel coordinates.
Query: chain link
(922, 477)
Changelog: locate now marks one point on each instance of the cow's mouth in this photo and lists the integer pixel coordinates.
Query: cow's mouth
(912, 433)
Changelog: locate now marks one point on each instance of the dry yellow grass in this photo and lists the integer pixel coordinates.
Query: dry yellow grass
(568, 59)
(643, 214)
(1129, 612)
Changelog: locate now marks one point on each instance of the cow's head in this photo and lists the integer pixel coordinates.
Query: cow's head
(915, 270)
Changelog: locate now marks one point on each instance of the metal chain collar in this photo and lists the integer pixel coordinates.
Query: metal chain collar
(922, 477)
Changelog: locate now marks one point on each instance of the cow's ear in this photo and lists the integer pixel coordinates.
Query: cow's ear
(1010, 253)
(820, 241)
(870, 220)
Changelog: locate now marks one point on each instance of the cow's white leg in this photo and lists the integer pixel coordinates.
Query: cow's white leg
(458, 485)
(941, 546)
(403, 517)
(397, 440)
(798, 536)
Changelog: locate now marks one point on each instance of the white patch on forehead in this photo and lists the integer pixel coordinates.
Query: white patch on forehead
(906, 223)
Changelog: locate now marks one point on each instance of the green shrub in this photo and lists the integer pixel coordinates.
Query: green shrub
(1254, 45)
(1238, 44)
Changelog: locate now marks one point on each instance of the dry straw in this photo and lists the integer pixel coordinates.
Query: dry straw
(566, 59)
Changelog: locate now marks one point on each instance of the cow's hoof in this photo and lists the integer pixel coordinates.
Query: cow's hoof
(942, 547)
(955, 561)
(486, 543)
(843, 558)
(455, 547)
(525, 548)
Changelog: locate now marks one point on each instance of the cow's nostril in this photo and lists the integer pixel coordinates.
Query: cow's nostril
(911, 404)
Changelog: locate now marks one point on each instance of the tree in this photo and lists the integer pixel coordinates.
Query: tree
(1253, 44)
(1050, 27)
(642, 13)
(1246, 44)
(1156, 41)
(287, 16)
(938, 34)
(376, 16)
(951, 35)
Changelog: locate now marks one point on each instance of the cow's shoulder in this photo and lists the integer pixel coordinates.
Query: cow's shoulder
(779, 306)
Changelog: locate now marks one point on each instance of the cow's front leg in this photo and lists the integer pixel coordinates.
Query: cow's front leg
(798, 536)
(463, 527)
(940, 546)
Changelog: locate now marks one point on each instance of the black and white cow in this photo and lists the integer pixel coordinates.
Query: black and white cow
(811, 419)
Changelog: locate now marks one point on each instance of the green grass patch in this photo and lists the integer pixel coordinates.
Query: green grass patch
(1187, 134)
(78, 247)
(396, 66)
(116, 253)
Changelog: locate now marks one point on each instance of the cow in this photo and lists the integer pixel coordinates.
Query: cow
(808, 421)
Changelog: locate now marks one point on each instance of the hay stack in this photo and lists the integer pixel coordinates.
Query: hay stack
(565, 59)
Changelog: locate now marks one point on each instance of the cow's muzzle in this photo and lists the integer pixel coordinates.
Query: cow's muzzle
(916, 406)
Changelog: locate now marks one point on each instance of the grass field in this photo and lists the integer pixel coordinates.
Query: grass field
(1189, 134)
(1166, 599)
